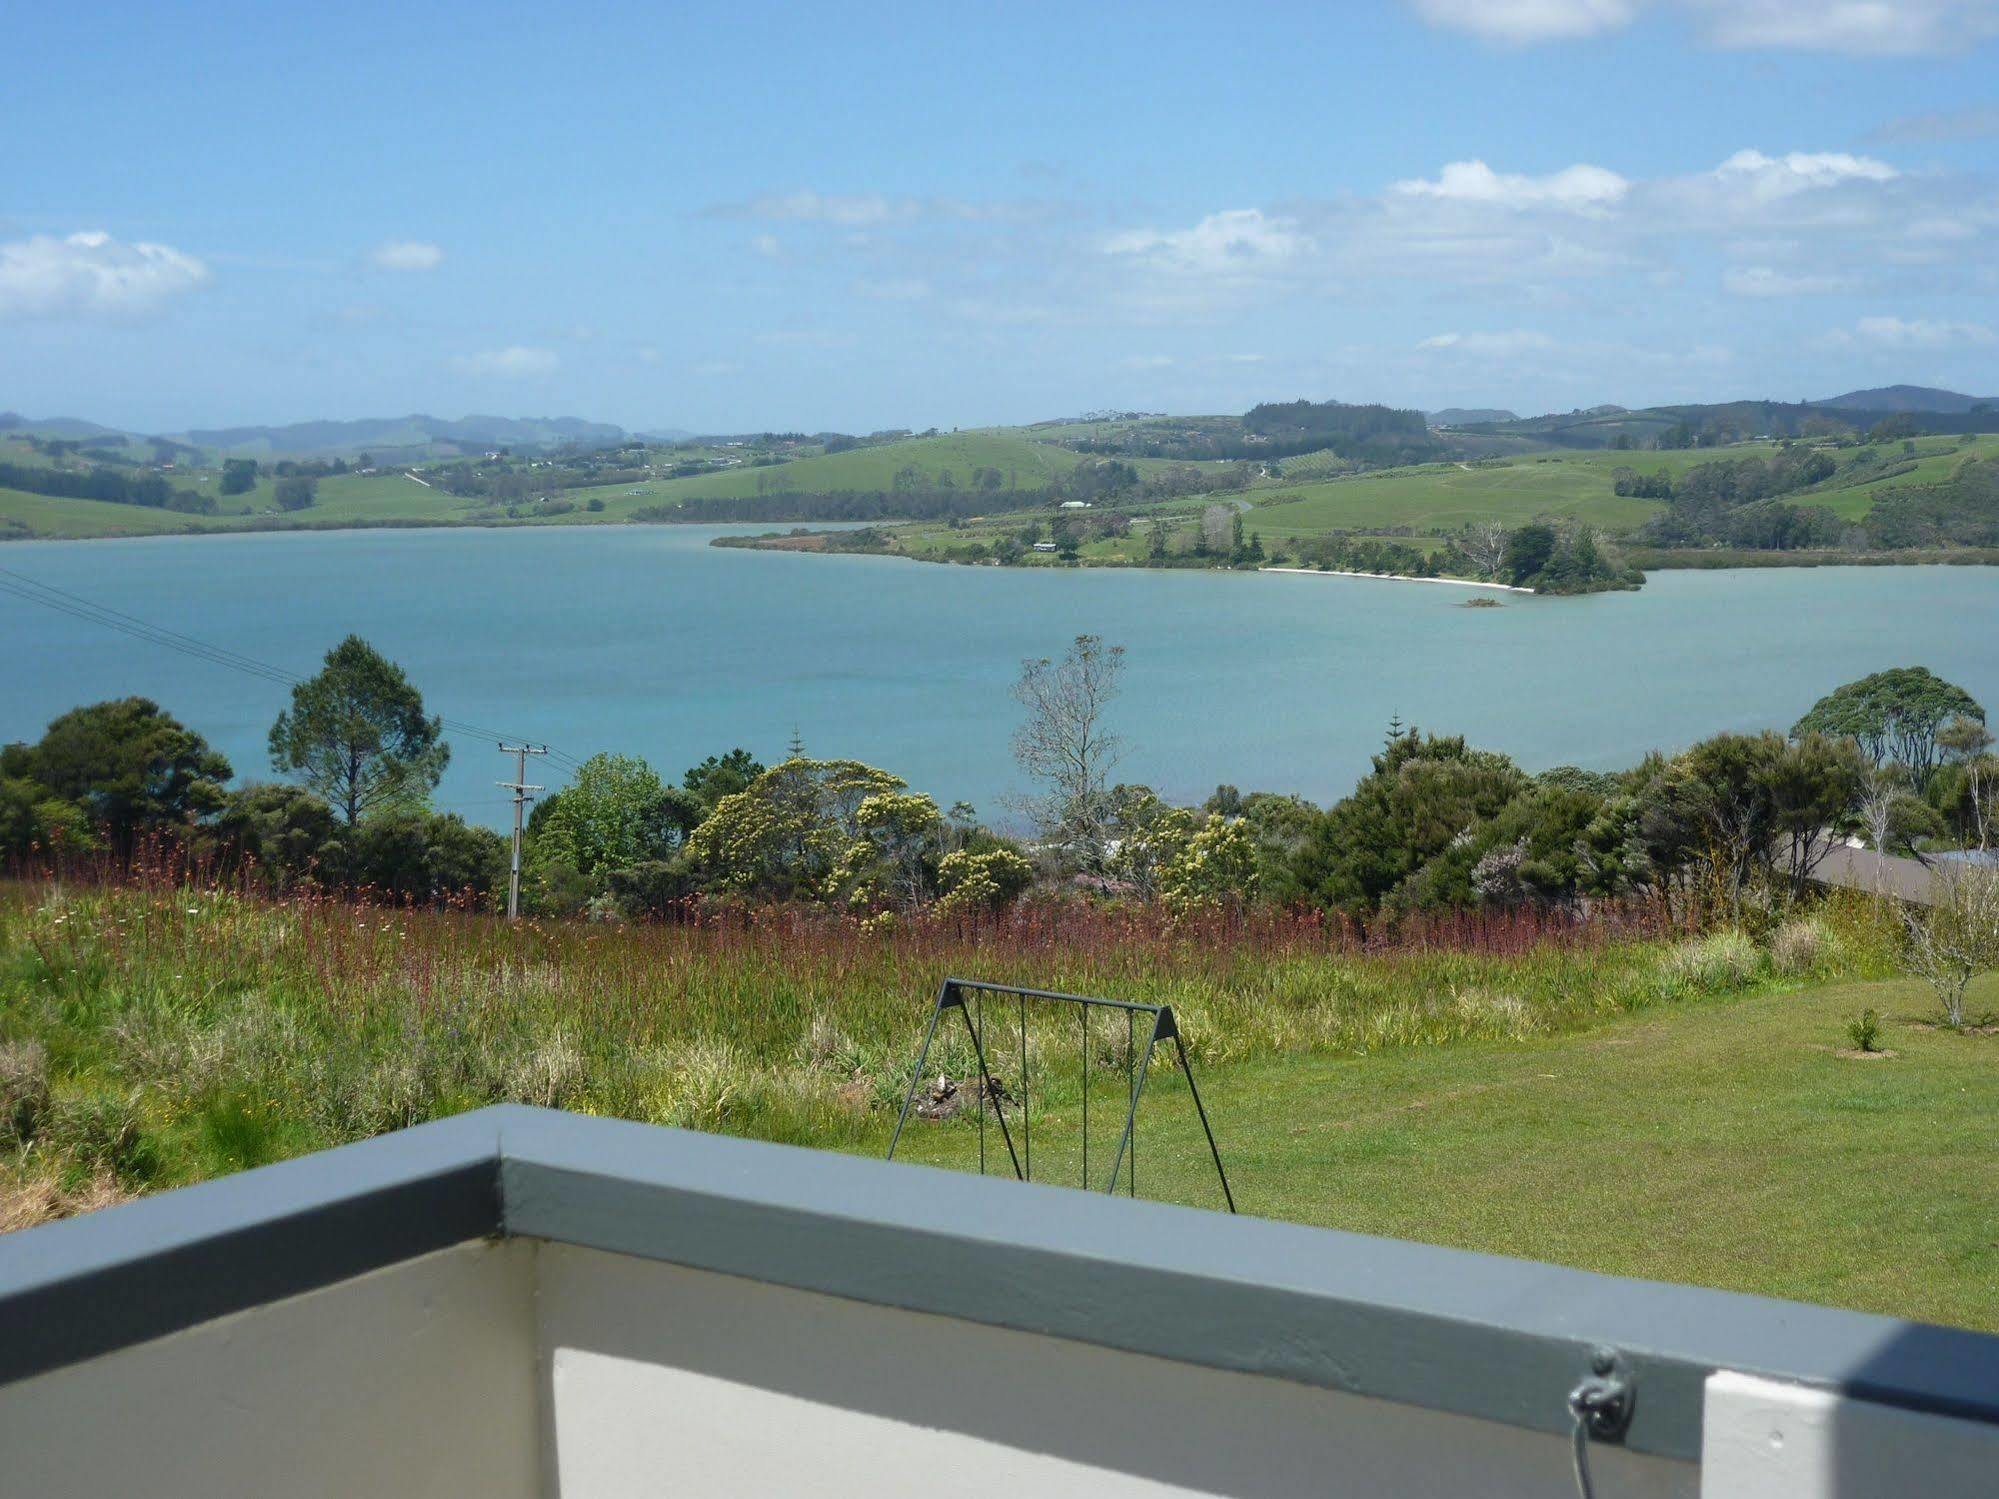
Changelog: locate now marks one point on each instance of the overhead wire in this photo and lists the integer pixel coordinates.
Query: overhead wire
(34, 591)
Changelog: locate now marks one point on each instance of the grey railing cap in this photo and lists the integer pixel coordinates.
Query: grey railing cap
(1485, 1336)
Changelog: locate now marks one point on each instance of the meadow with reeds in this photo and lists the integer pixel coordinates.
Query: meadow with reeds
(159, 1032)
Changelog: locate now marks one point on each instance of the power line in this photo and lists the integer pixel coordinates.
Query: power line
(125, 624)
(75, 605)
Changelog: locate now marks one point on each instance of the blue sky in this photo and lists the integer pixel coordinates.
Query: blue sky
(750, 215)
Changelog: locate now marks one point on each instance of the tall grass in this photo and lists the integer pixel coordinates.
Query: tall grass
(179, 1031)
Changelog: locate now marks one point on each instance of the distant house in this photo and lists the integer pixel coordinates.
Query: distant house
(1044, 546)
(1075, 504)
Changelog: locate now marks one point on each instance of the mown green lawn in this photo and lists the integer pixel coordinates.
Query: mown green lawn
(1718, 1142)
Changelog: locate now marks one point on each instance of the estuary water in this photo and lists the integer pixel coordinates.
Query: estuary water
(646, 640)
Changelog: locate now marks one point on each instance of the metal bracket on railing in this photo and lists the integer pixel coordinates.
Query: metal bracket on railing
(1600, 1408)
(1603, 1401)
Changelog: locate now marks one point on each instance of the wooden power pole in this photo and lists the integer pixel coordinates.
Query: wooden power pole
(523, 794)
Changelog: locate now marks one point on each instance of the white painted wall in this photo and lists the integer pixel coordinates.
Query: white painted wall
(671, 1381)
(416, 1382)
(1761, 1438)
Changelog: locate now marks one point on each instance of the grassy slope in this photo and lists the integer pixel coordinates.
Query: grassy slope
(1443, 496)
(1720, 1142)
(375, 497)
(1934, 462)
(1440, 497)
(47, 515)
(1026, 464)
(1425, 500)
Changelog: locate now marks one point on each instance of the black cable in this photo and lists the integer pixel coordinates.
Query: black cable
(33, 591)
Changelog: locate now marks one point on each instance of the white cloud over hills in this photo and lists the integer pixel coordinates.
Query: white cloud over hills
(90, 274)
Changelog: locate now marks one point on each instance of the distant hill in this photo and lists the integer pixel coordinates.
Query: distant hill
(396, 439)
(1909, 398)
(55, 426)
(1734, 421)
(429, 436)
(1462, 416)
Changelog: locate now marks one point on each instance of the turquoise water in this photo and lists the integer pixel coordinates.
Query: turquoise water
(647, 640)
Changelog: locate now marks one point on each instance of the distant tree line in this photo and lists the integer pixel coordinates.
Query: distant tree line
(108, 485)
(1964, 511)
(1901, 758)
(1732, 505)
(831, 505)
(1370, 554)
(1375, 436)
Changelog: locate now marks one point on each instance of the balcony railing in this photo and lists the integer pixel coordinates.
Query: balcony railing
(516, 1302)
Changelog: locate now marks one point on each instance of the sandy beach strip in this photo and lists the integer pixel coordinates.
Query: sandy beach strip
(1315, 572)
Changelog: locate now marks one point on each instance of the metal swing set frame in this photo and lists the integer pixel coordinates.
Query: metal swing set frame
(968, 996)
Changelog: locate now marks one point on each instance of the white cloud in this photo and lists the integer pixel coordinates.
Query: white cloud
(1234, 242)
(1489, 345)
(1915, 333)
(1581, 188)
(766, 245)
(408, 255)
(1765, 281)
(1523, 21)
(1800, 171)
(516, 362)
(1864, 28)
(1980, 122)
(90, 274)
(1763, 205)
(850, 209)
(1762, 223)
(1867, 28)
(1148, 361)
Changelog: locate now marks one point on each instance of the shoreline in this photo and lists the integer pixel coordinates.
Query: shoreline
(1329, 572)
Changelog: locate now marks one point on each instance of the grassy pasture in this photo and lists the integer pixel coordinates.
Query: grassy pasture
(1444, 496)
(1022, 463)
(1934, 459)
(375, 497)
(1425, 499)
(49, 515)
